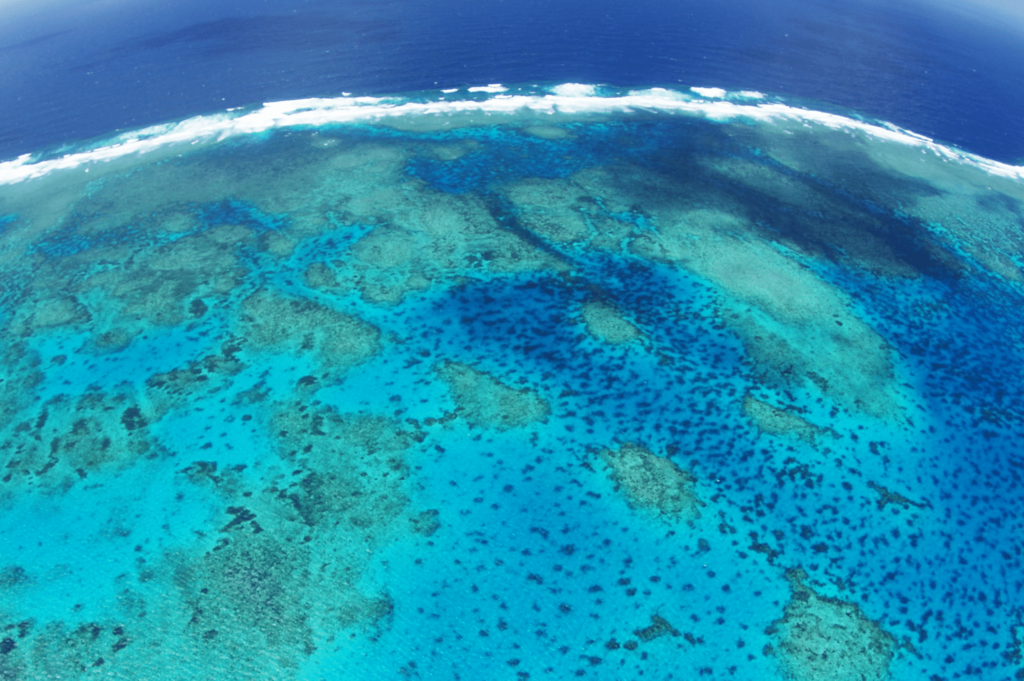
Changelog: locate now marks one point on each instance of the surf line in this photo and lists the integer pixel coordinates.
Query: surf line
(569, 99)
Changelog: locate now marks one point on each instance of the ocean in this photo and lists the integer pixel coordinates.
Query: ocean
(393, 368)
(96, 68)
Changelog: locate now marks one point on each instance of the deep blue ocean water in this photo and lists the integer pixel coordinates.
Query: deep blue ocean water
(74, 71)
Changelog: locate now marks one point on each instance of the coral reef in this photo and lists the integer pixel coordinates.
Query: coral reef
(606, 323)
(486, 402)
(652, 482)
(770, 419)
(824, 639)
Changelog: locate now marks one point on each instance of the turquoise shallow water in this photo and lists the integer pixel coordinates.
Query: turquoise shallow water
(671, 390)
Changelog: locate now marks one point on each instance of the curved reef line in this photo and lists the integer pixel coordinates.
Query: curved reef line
(571, 99)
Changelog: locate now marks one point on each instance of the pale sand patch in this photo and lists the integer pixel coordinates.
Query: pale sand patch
(548, 132)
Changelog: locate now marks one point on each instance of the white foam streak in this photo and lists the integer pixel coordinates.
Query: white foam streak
(570, 98)
(709, 92)
(574, 90)
(494, 87)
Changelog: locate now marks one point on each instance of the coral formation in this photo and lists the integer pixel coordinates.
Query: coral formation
(295, 326)
(606, 323)
(776, 421)
(824, 639)
(652, 482)
(68, 439)
(486, 402)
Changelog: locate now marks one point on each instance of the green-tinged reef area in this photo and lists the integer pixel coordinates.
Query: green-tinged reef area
(514, 396)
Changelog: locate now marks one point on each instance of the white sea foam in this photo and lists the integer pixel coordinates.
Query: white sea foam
(709, 92)
(574, 90)
(494, 87)
(569, 98)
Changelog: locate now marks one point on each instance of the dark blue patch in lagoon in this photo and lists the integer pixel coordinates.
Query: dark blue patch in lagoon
(518, 155)
(679, 150)
(655, 394)
(234, 212)
(67, 241)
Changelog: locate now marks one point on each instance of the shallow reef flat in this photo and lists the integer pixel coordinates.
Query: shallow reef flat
(514, 397)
